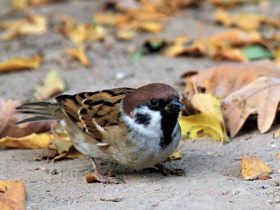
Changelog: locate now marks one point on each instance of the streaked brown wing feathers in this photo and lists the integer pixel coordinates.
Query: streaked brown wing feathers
(94, 111)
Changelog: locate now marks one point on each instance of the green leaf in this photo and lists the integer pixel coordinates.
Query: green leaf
(256, 52)
(138, 54)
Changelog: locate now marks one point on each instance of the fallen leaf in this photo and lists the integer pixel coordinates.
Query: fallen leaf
(110, 19)
(12, 195)
(31, 24)
(32, 141)
(8, 118)
(276, 134)
(17, 63)
(79, 32)
(24, 4)
(152, 27)
(227, 78)
(52, 86)
(79, 53)
(245, 21)
(256, 52)
(235, 37)
(125, 35)
(260, 97)
(253, 168)
(232, 54)
(195, 126)
(176, 155)
(210, 105)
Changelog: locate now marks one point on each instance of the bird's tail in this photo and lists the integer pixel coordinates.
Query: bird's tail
(42, 111)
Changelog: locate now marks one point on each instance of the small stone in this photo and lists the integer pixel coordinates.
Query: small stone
(269, 201)
(54, 172)
(264, 187)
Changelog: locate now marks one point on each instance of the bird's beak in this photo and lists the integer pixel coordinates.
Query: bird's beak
(174, 106)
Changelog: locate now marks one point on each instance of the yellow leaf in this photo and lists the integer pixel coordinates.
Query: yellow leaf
(32, 24)
(19, 4)
(52, 86)
(210, 105)
(176, 155)
(253, 168)
(125, 35)
(110, 19)
(195, 126)
(12, 195)
(79, 53)
(33, 141)
(152, 27)
(17, 63)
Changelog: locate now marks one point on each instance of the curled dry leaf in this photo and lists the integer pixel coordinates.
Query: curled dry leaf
(32, 24)
(210, 122)
(225, 79)
(52, 85)
(260, 97)
(79, 54)
(12, 195)
(17, 63)
(8, 118)
(254, 168)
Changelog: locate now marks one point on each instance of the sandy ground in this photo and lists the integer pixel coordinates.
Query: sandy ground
(213, 175)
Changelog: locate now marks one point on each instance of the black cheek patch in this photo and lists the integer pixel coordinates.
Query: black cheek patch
(144, 119)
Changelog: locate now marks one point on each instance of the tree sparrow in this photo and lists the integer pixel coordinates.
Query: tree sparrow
(137, 128)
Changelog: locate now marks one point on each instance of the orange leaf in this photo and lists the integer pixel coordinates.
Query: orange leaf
(17, 63)
(12, 195)
(254, 168)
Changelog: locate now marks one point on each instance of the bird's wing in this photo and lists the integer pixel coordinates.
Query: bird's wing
(92, 112)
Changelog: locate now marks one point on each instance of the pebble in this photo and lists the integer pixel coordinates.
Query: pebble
(274, 183)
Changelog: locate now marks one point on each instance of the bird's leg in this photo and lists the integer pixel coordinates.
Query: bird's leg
(112, 171)
(100, 177)
(165, 171)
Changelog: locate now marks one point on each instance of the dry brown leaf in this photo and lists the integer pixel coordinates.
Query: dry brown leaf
(17, 63)
(254, 168)
(224, 79)
(32, 24)
(8, 118)
(231, 3)
(12, 195)
(79, 54)
(52, 85)
(259, 97)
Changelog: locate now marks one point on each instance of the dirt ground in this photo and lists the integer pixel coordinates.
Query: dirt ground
(213, 175)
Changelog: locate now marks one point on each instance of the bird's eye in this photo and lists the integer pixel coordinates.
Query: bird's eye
(153, 102)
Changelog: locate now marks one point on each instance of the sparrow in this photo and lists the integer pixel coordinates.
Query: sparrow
(136, 128)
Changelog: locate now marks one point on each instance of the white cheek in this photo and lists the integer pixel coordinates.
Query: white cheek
(151, 130)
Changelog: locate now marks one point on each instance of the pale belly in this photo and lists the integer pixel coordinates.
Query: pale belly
(136, 153)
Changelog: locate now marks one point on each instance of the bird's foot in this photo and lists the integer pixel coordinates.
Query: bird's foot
(96, 176)
(166, 171)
